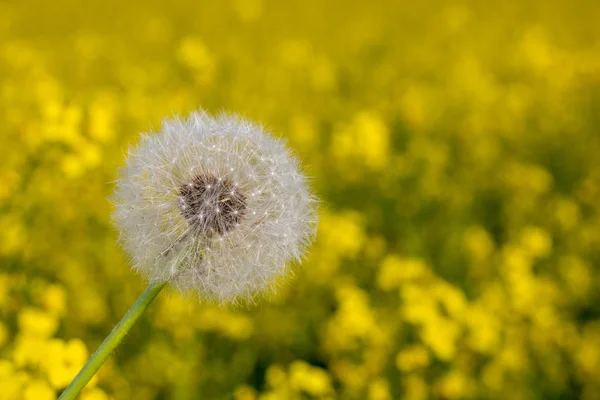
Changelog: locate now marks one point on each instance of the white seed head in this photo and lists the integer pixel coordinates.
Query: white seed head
(213, 205)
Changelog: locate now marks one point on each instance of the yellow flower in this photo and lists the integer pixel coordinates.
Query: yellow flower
(412, 358)
(29, 351)
(295, 53)
(35, 322)
(413, 105)
(38, 390)
(366, 139)
(379, 390)
(64, 360)
(577, 276)
(353, 376)
(536, 49)
(72, 166)
(275, 375)
(452, 298)
(415, 388)
(419, 306)
(454, 385)
(441, 335)
(194, 53)
(102, 117)
(395, 270)
(12, 235)
(353, 321)
(478, 244)
(484, 329)
(93, 394)
(303, 132)
(587, 353)
(342, 233)
(54, 300)
(513, 357)
(6, 369)
(312, 380)
(372, 139)
(536, 241)
(567, 213)
(237, 326)
(12, 385)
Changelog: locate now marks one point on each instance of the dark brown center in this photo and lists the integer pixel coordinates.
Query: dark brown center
(211, 205)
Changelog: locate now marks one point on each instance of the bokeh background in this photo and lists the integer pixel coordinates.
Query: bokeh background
(455, 146)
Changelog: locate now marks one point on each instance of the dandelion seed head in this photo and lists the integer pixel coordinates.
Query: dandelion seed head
(213, 205)
(213, 198)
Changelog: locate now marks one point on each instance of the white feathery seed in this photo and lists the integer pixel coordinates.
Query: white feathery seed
(213, 205)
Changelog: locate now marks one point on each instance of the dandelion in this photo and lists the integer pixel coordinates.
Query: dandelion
(212, 206)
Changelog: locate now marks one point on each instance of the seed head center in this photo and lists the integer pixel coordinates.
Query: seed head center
(211, 205)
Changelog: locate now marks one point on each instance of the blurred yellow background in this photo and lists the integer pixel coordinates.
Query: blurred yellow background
(455, 146)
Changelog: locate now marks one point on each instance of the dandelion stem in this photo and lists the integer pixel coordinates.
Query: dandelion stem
(111, 341)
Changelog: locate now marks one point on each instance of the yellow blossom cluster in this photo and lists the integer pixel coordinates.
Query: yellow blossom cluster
(36, 364)
(454, 145)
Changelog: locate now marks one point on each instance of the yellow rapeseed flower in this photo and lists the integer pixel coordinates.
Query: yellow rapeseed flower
(395, 270)
(411, 358)
(94, 394)
(309, 379)
(54, 300)
(38, 390)
(37, 323)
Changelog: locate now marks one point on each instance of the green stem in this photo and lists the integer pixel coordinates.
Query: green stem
(111, 341)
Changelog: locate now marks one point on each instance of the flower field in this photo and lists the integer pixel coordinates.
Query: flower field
(455, 148)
